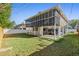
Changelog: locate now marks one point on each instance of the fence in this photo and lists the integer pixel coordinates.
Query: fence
(14, 31)
(71, 30)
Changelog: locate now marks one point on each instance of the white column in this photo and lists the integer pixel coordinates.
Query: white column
(55, 30)
(67, 29)
(40, 31)
(54, 25)
(63, 30)
(54, 33)
(59, 31)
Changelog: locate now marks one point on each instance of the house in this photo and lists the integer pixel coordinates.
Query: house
(20, 26)
(51, 23)
(23, 26)
(77, 27)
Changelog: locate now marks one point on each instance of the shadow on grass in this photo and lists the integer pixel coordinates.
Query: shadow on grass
(67, 46)
(20, 35)
(44, 39)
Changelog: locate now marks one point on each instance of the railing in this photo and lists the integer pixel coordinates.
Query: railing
(14, 31)
(71, 30)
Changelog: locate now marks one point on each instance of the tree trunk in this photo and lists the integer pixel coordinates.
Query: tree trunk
(1, 36)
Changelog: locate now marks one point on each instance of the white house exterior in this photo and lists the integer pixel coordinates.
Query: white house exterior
(51, 23)
(77, 27)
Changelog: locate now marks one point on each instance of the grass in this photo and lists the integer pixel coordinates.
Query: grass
(31, 45)
(67, 46)
(24, 44)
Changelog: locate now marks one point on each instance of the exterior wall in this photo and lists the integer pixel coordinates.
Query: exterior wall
(40, 30)
(63, 26)
(21, 26)
(29, 29)
(62, 22)
(54, 21)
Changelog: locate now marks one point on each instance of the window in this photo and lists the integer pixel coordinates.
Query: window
(35, 28)
(31, 19)
(56, 31)
(50, 13)
(46, 15)
(36, 18)
(46, 22)
(53, 13)
(41, 22)
(51, 21)
(40, 16)
(61, 29)
(57, 19)
(38, 23)
(33, 23)
(45, 31)
(51, 31)
(24, 28)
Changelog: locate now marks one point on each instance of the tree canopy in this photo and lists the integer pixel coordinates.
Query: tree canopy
(73, 22)
(5, 12)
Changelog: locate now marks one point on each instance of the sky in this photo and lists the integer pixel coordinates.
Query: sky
(22, 11)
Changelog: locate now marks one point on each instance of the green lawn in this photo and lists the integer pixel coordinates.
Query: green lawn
(30, 45)
(26, 44)
(67, 46)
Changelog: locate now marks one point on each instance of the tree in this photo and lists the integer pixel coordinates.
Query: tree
(5, 12)
(73, 23)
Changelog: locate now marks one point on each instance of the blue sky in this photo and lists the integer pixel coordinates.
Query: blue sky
(21, 11)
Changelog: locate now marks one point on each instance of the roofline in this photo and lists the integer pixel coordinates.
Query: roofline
(56, 8)
(62, 14)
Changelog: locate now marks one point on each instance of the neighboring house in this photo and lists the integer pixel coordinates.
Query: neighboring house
(23, 26)
(77, 27)
(20, 26)
(51, 23)
(70, 29)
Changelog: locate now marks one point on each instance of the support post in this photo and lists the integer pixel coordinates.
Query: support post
(63, 30)
(54, 33)
(59, 33)
(41, 31)
(55, 30)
